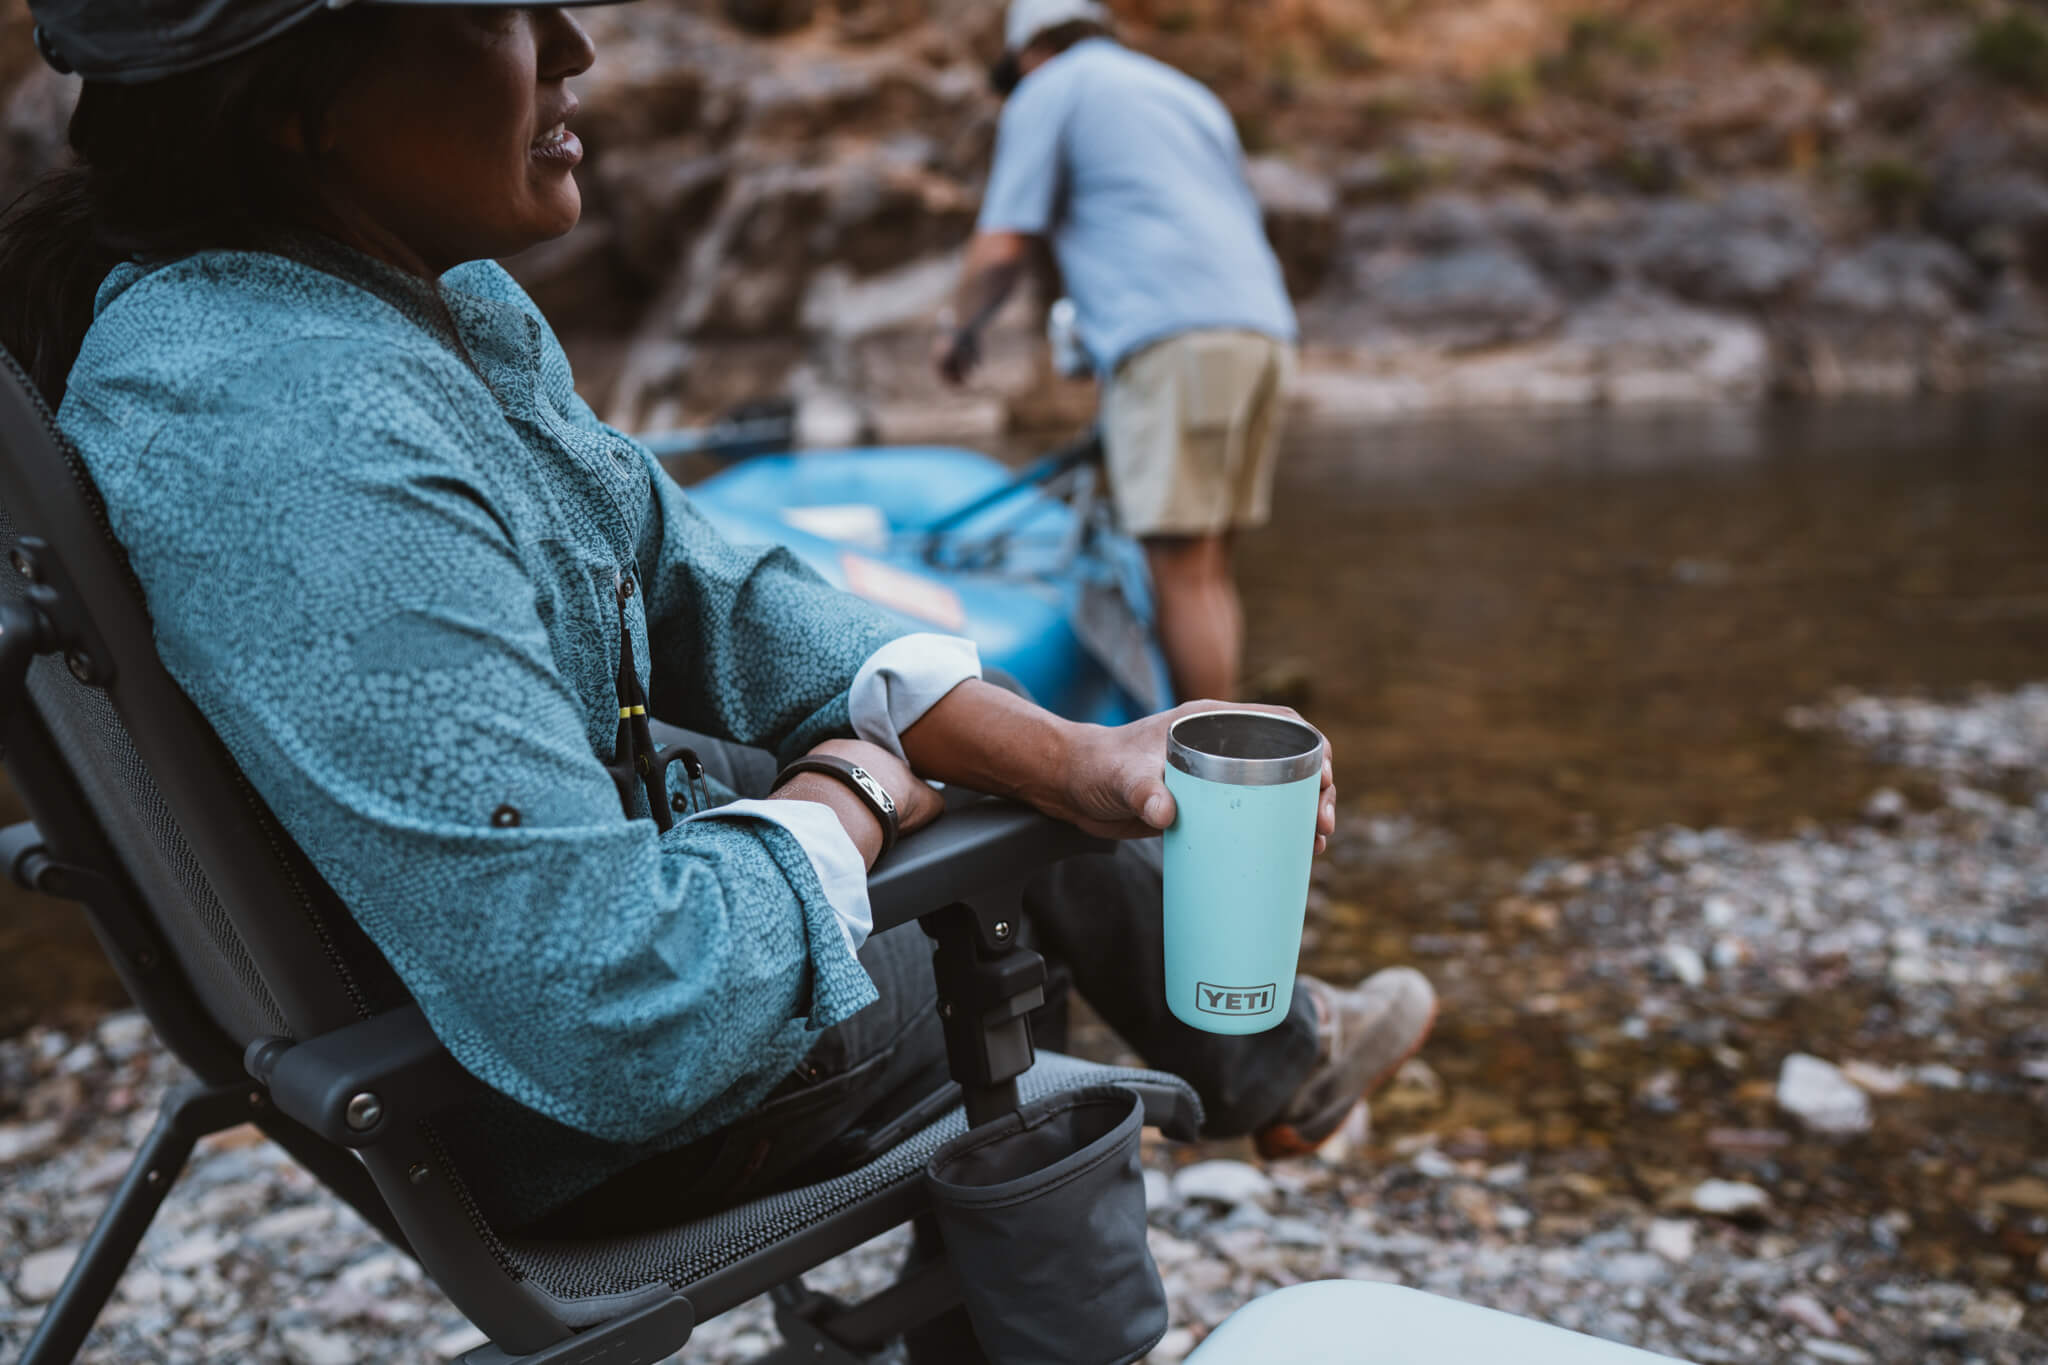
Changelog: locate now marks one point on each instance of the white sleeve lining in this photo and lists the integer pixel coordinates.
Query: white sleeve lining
(840, 868)
(904, 679)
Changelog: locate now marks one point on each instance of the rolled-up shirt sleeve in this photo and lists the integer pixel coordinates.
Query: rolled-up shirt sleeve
(904, 679)
(842, 872)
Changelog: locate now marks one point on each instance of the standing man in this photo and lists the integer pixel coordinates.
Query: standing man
(1133, 172)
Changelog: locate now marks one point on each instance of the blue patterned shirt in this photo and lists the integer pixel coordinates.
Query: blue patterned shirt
(381, 540)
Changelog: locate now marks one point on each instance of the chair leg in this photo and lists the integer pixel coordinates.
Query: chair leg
(818, 1327)
(189, 1113)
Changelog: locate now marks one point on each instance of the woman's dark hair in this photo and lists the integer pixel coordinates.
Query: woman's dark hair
(194, 162)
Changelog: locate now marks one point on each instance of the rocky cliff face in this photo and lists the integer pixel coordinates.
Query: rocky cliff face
(1503, 201)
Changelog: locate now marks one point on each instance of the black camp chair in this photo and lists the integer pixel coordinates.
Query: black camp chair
(255, 976)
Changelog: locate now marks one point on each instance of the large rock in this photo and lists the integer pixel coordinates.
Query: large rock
(1999, 216)
(1469, 297)
(770, 16)
(1888, 317)
(869, 21)
(1300, 209)
(882, 215)
(1760, 116)
(641, 92)
(1817, 1094)
(816, 99)
(1754, 247)
(1905, 276)
(1630, 346)
(658, 199)
(748, 271)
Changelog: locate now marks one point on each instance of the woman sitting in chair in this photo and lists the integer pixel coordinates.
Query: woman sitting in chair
(414, 584)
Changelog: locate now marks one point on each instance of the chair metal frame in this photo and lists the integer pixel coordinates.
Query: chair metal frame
(345, 1087)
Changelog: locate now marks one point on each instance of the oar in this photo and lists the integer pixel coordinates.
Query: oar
(760, 426)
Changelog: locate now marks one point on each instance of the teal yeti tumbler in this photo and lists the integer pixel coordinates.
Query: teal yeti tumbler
(1237, 859)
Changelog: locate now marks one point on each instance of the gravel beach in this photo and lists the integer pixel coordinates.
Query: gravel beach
(1801, 1115)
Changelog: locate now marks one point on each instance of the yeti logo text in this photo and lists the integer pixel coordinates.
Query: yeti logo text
(1232, 999)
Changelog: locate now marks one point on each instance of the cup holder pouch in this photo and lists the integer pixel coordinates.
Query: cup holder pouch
(1043, 1217)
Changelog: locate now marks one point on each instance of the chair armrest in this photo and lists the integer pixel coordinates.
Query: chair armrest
(978, 847)
(357, 1084)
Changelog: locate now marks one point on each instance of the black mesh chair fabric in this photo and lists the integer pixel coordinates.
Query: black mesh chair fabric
(134, 814)
(146, 836)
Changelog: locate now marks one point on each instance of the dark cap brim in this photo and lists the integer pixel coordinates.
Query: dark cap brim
(108, 40)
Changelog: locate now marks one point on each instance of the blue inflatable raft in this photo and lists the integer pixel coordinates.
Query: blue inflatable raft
(1029, 565)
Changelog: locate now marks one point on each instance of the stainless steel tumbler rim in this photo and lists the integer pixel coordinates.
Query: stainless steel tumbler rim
(1244, 748)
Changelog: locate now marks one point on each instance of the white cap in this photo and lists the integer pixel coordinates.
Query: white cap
(1029, 18)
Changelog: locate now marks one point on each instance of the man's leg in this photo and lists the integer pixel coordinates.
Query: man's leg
(1290, 1086)
(1189, 431)
(1201, 621)
(1100, 915)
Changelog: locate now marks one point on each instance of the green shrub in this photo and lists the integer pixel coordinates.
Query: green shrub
(1350, 52)
(2013, 49)
(1284, 74)
(1181, 20)
(1894, 188)
(1646, 169)
(1597, 48)
(1503, 90)
(1824, 33)
(1408, 175)
(1592, 35)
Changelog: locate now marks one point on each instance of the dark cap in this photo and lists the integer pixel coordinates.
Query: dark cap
(132, 41)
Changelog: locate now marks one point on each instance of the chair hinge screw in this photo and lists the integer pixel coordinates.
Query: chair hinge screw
(364, 1109)
(23, 565)
(417, 1173)
(945, 1009)
(1002, 930)
(80, 665)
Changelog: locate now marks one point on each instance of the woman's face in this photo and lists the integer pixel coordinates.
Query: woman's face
(454, 141)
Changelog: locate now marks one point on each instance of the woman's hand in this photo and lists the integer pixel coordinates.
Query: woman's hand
(1115, 779)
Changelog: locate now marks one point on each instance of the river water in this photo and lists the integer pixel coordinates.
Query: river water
(1536, 637)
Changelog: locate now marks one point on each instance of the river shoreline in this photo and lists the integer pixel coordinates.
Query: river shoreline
(1650, 1176)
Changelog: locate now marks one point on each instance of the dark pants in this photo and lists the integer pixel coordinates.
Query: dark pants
(1097, 921)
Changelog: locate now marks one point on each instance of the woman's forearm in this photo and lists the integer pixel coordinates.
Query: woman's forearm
(984, 738)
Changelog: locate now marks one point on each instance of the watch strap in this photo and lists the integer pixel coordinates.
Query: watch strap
(856, 779)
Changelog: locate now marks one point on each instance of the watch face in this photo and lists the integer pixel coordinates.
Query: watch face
(873, 788)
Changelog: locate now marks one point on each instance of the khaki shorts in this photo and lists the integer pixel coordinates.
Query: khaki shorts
(1191, 425)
